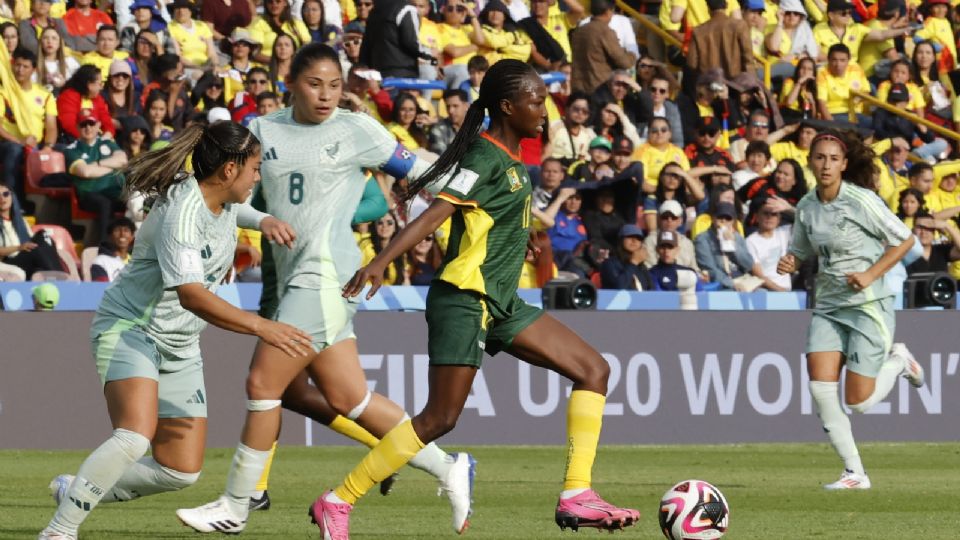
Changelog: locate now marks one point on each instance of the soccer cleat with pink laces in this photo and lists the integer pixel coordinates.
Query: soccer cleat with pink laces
(849, 480)
(588, 510)
(332, 518)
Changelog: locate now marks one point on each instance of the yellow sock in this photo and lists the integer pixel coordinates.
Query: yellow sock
(265, 477)
(396, 448)
(353, 430)
(584, 418)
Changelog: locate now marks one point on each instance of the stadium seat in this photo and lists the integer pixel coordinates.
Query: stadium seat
(50, 275)
(61, 238)
(39, 165)
(86, 262)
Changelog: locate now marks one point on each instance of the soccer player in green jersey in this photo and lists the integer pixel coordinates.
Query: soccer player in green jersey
(313, 177)
(857, 240)
(146, 330)
(473, 306)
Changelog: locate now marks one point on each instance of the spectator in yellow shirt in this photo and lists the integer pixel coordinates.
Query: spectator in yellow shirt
(106, 52)
(835, 83)
(499, 37)
(840, 28)
(657, 152)
(937, 29)
(429, 37)
(276, 19)
(195, 38)
(405, 126)
(455, 42)
(900, 74)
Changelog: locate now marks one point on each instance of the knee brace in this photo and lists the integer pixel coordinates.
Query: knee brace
(358, 410)
(261, 405)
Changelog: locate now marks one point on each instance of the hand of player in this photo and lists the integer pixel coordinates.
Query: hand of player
(371, 274)
(532, 249)
(255, 257)
(787, 264)
(277, 231)
(293, 341)
(859, 281)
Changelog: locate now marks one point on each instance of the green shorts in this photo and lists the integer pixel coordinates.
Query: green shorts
(461, 325)
(124, 351)
(863, 334)
(323, 313)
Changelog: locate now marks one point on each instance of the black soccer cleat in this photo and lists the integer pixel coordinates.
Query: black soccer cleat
(261, 503)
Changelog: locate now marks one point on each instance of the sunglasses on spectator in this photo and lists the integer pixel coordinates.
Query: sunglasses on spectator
(217, 86)
(458, 9)
(352, 41)
(87, 124)
(759, 124)
(660, 130)
(723, 218)
(124, 75)
(258, 81)
(669, 216)
(708, 132)
(658, 90)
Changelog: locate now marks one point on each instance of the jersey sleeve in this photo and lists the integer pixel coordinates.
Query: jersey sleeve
(376, 146)
(800, 245)
(880, 222)
(469, 183)
(179, 249)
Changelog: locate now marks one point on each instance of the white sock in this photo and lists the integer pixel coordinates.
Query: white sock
(332, 497)
(836, 423)
(257, 494)
(147, 477)
(567, 493)
(96, 476)
(245, 472)
(433, 460)
(886, 379)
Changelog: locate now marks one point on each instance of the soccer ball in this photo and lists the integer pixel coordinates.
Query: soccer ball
(694, 510)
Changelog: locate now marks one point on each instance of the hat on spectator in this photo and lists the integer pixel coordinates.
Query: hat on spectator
(712, 75)
(898, 93)
(839, 5)
(726, 209)
(138, 4)
(707, 123)
(793, 6)
(217, 114)
(601, 142)
(756, 5)
(353, 27)
(172, 6)
(668, 238)
(134, 122)
(46, 296)
(237, 36)
(671, 207)
(631, 230)
(623, 145)
(86, 115)
(120, 66)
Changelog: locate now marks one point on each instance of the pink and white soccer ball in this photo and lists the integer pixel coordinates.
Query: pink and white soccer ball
(694, 510)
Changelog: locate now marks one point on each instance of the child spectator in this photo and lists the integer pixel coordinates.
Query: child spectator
(767, 244)
(114, 251)
(664, 274)
(670, 219)
(477, 67)
(625, 270)
(598, 152)
(267, 102)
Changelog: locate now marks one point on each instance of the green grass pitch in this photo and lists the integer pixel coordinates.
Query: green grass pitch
(773, 490)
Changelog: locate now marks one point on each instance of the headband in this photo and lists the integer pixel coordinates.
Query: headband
(829, 137)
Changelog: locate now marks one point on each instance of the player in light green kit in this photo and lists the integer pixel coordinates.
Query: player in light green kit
(313, 159)
(146, 330)
(857, 240)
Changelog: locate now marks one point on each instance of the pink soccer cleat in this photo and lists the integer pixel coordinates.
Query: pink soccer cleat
(332, 518)
(589, 510)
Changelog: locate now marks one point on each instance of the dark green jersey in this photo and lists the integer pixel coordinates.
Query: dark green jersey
(490, 230)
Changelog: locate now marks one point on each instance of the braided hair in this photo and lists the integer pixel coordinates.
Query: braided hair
(504, 81)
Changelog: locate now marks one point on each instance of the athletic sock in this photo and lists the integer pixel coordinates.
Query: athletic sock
(396, 448)
(886, 379)
(353, 430)
(246, 468)
(98, 473)
(433, 460)
(147, 477)
(836, 423)
(584, 419)
(264, 482)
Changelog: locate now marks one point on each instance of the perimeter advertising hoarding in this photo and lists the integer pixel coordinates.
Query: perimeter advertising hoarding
(676, 377)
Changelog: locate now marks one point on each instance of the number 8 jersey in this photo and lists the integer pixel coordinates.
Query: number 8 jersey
(313, 178)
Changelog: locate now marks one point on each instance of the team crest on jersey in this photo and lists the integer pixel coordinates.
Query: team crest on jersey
(330, 152)
(515, 181)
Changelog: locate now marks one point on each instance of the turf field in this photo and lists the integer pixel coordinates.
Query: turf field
(773, 490)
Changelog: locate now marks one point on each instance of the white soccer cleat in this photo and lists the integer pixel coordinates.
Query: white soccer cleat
(59, 486)
(50, 534)
(212, 517)
(912, 370)
(458, 486)
(849, 480)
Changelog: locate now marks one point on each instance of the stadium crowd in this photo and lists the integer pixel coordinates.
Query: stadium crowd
(655, 158)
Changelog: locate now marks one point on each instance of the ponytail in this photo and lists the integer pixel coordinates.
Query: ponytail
(156, 171)
(502, 81)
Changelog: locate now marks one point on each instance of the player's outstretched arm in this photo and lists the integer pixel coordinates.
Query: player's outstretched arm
(415, 231)
(218, 312)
